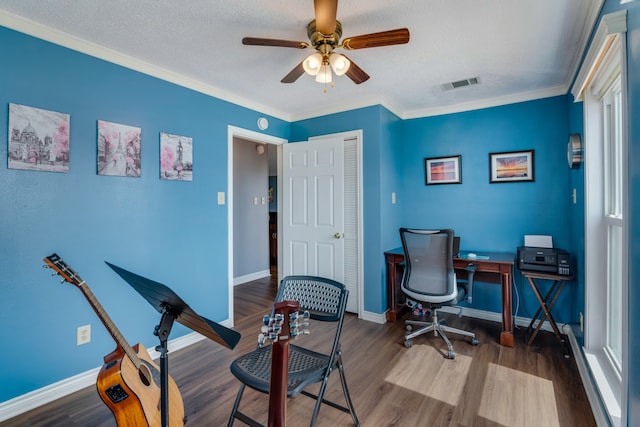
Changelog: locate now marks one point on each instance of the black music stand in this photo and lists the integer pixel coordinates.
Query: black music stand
(172, 308)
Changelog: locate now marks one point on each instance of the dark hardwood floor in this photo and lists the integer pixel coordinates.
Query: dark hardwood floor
(486, 385)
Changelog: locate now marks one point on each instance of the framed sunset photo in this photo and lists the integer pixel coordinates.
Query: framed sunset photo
(443, 170)
(514, 166)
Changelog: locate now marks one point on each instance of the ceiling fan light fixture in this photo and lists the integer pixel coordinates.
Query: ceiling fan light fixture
(339, 64)
(324, 75)
(312, 64)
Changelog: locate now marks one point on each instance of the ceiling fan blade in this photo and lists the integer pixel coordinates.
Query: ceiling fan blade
(293, 74)
(257, 41)
(384, 38)
(356, 73)
(326, 12)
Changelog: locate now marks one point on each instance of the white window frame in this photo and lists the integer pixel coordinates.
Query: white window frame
(605, 59)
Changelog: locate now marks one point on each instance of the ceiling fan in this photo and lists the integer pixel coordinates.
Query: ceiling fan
(324, 34)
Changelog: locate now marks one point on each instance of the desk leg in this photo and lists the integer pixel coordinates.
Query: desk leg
(506, 336)
(391, 291)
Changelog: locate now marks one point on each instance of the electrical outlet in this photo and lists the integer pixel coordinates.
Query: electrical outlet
(581, 322)
(84, 334)
(393, 198)
(221, 197)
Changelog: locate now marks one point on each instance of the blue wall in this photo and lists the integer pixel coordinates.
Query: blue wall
(576, 213)
(394, 152)
(173, 232)
(493, 217)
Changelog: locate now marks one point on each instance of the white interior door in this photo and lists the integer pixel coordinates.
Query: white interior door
(313, 208)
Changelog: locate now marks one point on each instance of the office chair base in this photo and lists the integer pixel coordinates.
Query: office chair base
(439, 330)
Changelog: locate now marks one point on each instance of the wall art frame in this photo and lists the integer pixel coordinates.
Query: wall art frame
(443, 170)
(38, 139)
(119, 149)
(512, 166)
(176, 157)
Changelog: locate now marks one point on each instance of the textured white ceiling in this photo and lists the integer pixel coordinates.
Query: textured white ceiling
(519, 49)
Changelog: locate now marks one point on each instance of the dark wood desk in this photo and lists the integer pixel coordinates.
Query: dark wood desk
(497, 268)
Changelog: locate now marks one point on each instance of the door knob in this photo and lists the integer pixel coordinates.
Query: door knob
(337, 235)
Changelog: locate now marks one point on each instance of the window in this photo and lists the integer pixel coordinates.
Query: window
(613, 219)
(601, 85)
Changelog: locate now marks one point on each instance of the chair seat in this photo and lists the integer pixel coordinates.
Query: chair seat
(305, 367)
(460, 296)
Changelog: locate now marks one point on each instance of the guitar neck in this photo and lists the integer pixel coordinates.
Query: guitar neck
(280, 365)
(108, 323)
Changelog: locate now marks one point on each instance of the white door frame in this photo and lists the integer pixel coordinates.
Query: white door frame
(236, 132)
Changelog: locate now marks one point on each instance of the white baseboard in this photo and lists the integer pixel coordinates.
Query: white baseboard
(492, 316)
(374, 317)
(593, 395)
(26, 402)
(474, 313)
(251, 277)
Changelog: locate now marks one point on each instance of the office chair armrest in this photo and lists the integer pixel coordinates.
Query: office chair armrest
(471, 270)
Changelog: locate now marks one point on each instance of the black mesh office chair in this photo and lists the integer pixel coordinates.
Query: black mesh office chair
(326, 301)
(429, 278)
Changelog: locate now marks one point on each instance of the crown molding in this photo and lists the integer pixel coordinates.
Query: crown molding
(77, 44)
(485, 103)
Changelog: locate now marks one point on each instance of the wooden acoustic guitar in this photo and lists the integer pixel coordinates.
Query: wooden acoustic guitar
(129, 381)
(280, 329)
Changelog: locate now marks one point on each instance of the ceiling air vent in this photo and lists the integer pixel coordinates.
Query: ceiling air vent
(461, 83)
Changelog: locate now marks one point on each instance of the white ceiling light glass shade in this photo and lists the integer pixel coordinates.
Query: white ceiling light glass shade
(324, 75)
(339, 63)
(312, 64)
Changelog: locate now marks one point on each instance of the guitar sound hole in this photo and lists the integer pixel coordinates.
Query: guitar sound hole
(145, 375)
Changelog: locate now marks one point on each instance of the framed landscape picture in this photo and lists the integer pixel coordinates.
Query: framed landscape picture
(513, 166)
(443, 170)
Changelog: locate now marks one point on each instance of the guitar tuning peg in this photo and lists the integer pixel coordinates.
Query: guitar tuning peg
(261, 339)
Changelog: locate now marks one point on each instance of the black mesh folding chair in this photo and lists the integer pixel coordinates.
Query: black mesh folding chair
(326, 301)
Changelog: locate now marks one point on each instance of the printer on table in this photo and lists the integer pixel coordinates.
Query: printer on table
(543, 258)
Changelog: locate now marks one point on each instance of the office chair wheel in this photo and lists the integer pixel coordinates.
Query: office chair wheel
(408, 343)
(474, 341)
(451, 354)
